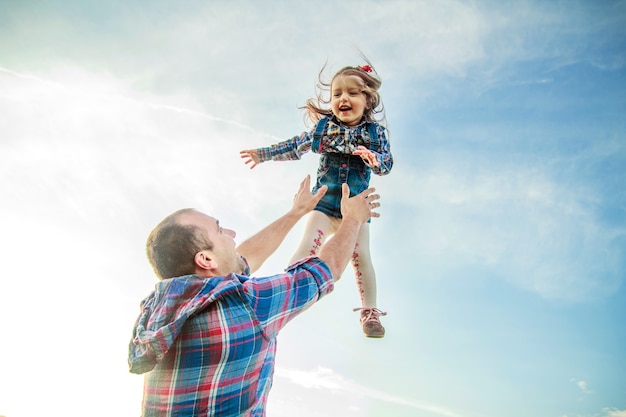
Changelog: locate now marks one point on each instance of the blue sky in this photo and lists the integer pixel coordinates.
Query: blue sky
(500, 253)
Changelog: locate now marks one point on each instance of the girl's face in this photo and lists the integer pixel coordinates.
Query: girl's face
(348, 102)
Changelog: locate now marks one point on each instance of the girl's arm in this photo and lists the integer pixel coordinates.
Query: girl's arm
(380, 162)
(288, 150)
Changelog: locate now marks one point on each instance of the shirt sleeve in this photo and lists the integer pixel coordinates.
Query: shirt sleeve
(287, 150)
(279, 298)
(383, 154)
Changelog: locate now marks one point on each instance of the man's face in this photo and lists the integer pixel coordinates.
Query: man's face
(224, 248)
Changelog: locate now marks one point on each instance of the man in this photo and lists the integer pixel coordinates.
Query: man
(206, 337)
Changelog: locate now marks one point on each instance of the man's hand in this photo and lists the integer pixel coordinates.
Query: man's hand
(257, 248)
(304, 201)
(361, 206)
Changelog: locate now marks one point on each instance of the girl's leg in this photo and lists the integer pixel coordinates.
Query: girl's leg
(318, 227)
(366, 285)
(364, 269)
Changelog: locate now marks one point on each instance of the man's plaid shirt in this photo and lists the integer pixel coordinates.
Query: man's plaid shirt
(207, 345)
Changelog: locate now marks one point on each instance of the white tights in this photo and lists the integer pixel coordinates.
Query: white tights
(321, 226)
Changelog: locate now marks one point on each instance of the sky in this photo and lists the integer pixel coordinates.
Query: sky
(500, 252)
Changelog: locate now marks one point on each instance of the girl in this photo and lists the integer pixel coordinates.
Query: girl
(352, 144)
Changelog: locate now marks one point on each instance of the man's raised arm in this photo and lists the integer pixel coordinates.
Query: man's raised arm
(354, 211)
(257, 248)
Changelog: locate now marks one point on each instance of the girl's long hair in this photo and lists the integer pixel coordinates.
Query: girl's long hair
(318, 107)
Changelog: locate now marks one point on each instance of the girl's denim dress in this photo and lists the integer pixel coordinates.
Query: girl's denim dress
(334, 170)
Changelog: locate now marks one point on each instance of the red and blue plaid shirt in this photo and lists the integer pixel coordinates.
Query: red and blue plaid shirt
(207, 345)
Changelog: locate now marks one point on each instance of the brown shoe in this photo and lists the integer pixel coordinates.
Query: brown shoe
(371, 322)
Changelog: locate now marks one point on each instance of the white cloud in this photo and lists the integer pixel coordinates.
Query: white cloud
(517, 221)
(582, 385)
(317, 378)
(351, 392)
(90, 136)
(614, 412)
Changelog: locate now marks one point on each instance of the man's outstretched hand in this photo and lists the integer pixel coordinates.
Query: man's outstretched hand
(304, 201)
(361, 206)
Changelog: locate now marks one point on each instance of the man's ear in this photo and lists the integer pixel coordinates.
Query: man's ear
(205, 261)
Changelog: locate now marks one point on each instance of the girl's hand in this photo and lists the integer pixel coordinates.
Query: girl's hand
(368, 156)
(250, 156)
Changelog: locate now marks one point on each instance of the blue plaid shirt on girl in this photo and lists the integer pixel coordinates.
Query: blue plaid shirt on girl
(335, 138)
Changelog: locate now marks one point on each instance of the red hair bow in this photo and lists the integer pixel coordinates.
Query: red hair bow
(365, 68)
